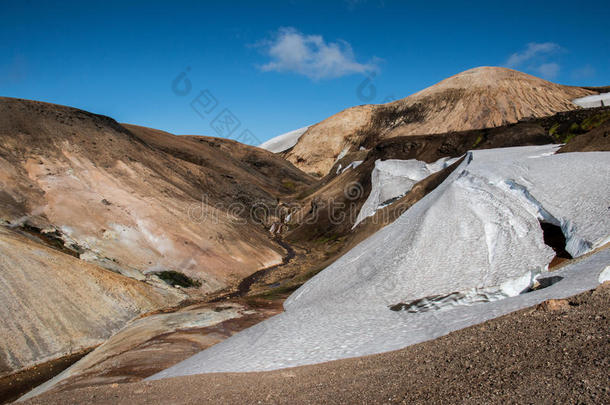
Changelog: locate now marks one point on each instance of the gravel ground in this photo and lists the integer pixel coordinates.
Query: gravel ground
(558, 351)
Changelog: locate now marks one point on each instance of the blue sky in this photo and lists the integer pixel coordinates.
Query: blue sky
(279, 65)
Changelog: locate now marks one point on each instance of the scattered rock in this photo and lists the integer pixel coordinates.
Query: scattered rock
(553, 305)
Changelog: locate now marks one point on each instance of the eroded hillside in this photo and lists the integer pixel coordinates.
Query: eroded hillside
(140, 201)
(477, 98)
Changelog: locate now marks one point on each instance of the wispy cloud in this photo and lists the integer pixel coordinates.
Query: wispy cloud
(310, 55)
(549, 70)
(532, 51)
(535, 57)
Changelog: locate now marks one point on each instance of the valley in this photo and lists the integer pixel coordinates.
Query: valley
(153, 255)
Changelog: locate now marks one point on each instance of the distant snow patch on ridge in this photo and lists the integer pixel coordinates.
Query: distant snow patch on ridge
(476, 237)
(342, 154)
(394, 178)
(283, 142)
(598, 100)
(353, 165)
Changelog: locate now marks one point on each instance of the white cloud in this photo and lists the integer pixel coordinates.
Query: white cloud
(534, 50)
(312, 56)
(535, 59)
(548, 70)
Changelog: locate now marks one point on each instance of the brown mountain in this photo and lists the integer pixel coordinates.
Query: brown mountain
(54, 304)
(101, 222)
(483, 97)
(137, 200)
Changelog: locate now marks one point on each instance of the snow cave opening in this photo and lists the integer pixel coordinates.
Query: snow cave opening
(556, 240)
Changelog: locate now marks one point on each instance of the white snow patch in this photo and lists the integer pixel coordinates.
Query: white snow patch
(598, 100)
(342, 153)
(474, 234)
(394, 178)
(604, 275)
(283, 142)
(514, 287)
(352, 165)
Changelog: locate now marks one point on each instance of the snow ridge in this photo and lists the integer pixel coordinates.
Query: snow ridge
(392, 179)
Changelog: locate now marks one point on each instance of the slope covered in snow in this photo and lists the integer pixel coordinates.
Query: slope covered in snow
(475, 238)
(283, 142)
(394, 178)
(597, 100)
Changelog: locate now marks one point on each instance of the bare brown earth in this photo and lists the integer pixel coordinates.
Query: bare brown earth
(558, 352)
(483, 97)
(253, 175)
(92, 212)
(17, 384)
(138, 201)
(54, 304)
(159, 341)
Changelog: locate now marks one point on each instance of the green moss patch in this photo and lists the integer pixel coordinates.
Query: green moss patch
(565, 131)
(478, 141)
(595, 121)
(173, 278)
(289, 185)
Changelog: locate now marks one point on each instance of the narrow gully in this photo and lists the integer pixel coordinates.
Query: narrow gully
(244, 286)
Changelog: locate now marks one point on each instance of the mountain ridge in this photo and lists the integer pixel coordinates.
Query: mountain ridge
(477, 98)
